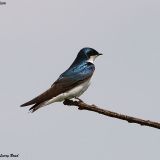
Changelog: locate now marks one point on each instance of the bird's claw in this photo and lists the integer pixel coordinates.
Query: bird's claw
(67, 102)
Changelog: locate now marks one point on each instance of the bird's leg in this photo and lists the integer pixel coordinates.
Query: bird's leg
(78, 99)
(67, 102)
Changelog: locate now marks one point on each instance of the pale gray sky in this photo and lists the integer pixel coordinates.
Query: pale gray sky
(40, 39)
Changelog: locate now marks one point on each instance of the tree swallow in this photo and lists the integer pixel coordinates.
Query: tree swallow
(71, 84)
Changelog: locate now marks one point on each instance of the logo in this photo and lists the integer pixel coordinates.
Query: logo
(2, 3)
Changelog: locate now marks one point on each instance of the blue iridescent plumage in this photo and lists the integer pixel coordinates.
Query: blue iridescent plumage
(71, 83)
(80, 64)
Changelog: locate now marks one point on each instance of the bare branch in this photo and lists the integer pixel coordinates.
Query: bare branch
(83, 106)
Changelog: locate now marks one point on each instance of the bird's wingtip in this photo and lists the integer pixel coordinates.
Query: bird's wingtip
(28, 103)
(25, 104)
(22, 105)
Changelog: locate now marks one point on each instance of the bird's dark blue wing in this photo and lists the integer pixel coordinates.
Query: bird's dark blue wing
(67, 80)
(74, 76)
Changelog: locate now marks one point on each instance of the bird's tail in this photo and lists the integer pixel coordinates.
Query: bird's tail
(33, 101)
(35, 107)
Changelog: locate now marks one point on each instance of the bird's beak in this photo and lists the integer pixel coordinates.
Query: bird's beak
(100, 54)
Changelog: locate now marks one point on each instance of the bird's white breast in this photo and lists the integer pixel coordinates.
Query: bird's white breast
(75, 92)
(92, 59)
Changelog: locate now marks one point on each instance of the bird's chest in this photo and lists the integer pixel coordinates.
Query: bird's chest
(77, 91)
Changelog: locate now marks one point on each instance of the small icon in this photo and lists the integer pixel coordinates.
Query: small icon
(2, 3)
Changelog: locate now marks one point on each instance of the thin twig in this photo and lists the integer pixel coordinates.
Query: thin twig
(83, 106)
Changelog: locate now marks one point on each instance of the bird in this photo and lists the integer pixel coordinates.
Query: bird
(71, 84)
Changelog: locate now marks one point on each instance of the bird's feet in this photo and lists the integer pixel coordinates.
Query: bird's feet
(67, 102)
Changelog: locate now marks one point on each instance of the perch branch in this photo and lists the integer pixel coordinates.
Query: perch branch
(83, 106)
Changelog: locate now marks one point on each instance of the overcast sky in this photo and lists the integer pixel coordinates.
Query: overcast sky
(40, 39)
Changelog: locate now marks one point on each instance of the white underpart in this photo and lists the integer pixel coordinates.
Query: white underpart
(75, 92)
(92, 58)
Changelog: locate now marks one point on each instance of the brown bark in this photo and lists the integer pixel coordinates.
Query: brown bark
(83, 106)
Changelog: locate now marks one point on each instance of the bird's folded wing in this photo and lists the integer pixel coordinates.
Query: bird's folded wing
(62, 85)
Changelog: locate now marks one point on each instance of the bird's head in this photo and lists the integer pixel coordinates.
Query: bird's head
(87, 54)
